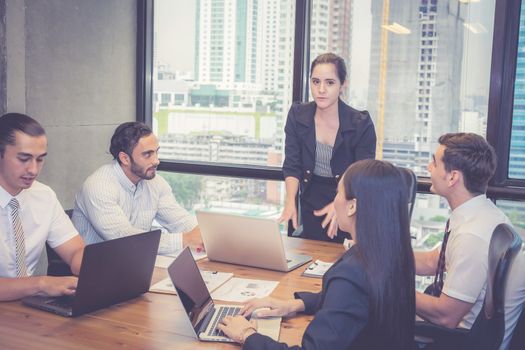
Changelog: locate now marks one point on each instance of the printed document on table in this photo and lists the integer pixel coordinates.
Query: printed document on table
(242, 289)
(165, 260)
(212, 279)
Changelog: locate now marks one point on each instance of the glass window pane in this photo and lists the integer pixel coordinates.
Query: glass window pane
(427, 228)
(226, 194)
(516, 213)
(420, 70)
(517, 141)
(222, 79)
(428, 222)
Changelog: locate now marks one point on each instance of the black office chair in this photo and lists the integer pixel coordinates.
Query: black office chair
(411, 182)
(489, 327)
(518, 335)
(55, 265)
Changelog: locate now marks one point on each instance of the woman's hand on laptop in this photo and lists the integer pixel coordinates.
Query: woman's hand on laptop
(272, 307)
(56, 286)
(237, 328)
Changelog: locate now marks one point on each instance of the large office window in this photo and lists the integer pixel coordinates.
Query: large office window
(224, 73)
(421, 68)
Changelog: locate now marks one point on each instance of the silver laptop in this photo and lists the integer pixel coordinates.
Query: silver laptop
(202, 313)
(245, 240)
(111, 272)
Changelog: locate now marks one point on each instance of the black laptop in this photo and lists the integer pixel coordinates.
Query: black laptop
(203, 315)
(111, 272)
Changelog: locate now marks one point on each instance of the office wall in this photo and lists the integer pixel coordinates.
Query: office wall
(71, 65)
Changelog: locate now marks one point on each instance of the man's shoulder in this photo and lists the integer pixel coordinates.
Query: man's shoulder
(103, 174)
(488, 214)
(483, 221)
(40, 189)
(39, 193)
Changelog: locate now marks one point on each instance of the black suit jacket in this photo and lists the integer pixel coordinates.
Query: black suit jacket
(341, 312)
(355, 140)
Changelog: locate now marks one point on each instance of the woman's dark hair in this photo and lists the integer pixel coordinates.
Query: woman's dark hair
(126, 137)
(337, 61)
(473, 156)
(12, 122)
(384, 247)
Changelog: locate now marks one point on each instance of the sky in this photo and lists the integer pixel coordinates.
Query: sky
(176, 18)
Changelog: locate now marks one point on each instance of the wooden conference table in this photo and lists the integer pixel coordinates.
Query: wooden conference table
(152, 320)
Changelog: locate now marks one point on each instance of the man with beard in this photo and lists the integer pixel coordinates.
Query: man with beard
(125, 197)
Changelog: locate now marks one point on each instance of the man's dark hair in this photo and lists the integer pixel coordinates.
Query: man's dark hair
(13, 122)
(473, 156)
(126, 137)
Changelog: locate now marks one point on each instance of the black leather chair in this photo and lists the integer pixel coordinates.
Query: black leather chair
(489, 327)
(518, 336)
(411, 182)
(55, 265)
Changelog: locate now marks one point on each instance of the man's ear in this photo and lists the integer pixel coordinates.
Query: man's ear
(124, 158)
(454, 177)
(352, 207)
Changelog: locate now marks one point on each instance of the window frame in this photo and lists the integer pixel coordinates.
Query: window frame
(501, 94)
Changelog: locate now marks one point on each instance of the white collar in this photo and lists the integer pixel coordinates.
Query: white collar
(466, 210)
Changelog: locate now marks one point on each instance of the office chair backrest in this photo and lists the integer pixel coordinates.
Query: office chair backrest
(411, 183)
(489, 328)
(518, 335)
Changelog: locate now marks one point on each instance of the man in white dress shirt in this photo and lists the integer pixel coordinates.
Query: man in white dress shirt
(30, 215)
(124, 197)
(460, 171)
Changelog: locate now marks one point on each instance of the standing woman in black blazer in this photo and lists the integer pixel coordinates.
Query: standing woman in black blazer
(323, 138)
(367, 299)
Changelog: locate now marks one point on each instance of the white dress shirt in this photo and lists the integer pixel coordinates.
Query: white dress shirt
(110, 206)
(466, 261)
(43, 219)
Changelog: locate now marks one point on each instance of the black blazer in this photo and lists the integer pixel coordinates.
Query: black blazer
(341, 312)
(355, 140)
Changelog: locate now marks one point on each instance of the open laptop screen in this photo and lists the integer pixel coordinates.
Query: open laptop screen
(190, 287)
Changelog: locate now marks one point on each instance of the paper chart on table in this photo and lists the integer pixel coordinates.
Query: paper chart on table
(212, 279)
(242, 289)
(164, 261)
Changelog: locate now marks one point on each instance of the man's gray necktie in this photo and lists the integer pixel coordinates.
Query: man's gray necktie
(20, 246)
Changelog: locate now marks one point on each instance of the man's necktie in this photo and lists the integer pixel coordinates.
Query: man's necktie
(437, 286)
(20, 246)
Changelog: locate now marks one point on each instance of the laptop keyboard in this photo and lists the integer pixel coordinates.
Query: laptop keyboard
(222, 312)
(65, 302)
